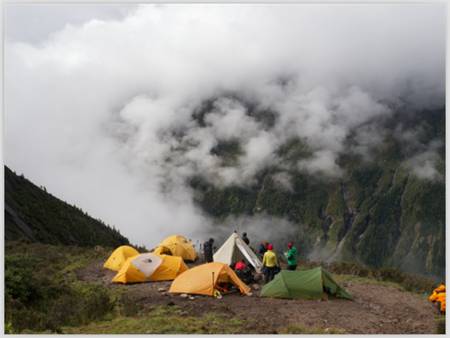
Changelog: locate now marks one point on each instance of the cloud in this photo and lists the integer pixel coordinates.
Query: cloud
(115, 115)
(424, 164)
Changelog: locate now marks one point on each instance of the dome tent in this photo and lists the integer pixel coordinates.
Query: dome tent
(177, 245)
(306, 284)
(119, 256)
(204, 280)
(150, 267)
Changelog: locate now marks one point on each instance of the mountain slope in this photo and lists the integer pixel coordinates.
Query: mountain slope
(379, 212)
(34, 214)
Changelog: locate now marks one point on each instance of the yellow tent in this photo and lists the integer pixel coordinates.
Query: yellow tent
(119, 256)
(177, 246)
(205, 279)
(150, 267)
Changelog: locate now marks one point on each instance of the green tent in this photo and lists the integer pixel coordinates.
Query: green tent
(307, 284)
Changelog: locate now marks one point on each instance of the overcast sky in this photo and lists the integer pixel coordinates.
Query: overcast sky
(35, 22)
(96, 95)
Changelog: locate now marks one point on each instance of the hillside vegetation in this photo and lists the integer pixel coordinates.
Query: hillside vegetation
(377, 213)
(33, 214)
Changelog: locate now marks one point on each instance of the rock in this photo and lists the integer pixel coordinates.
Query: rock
(98, 248)
(161, 289)
(184, 295)
(170, 303)
(191, 297)
(256, 286)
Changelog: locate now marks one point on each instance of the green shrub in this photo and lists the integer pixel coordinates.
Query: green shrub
(409, 282)
(42, 292)
(440, 325)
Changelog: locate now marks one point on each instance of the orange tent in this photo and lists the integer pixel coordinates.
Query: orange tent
(205, 279)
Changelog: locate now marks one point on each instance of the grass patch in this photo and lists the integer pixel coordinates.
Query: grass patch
(440, 324)
(163, 319)
(391, 276)
(364, 280)
(42, 292)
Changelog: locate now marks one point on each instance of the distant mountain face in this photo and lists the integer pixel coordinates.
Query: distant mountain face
(34, 214)
(386, 206)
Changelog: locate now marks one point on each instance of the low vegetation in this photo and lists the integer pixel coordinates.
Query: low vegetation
(162, 319)
(42, 292)
(408, 282)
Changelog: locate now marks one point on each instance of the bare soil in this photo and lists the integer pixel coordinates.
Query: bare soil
(376, 309)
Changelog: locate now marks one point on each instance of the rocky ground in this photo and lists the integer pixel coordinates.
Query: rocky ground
(376, 308)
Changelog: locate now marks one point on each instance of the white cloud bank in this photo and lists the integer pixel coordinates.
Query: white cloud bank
(101, 113)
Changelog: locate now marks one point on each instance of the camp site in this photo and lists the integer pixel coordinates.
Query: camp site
(224, 168)
(163, 293)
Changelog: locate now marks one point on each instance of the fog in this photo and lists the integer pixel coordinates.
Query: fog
(102, 112)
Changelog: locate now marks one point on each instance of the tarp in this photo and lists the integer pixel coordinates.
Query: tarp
(235, 249)
(306, 284)
(203, 280)
(177, 245)
(119, 256)
(150, 267)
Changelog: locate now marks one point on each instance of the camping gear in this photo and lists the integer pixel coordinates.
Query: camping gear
(306, 284)
(234, 249)
(177, 245)
(150, 267)
(438, 297)
(119, 256)
(205, 279)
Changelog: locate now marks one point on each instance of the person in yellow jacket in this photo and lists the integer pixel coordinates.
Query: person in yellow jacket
(438, 297)
(270, 263)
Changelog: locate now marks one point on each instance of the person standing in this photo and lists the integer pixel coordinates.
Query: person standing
(291, 256)
(208, 250)
(270, 263)
(262, 248)
(245, 238)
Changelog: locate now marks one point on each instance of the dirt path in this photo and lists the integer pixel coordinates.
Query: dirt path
(375, 309)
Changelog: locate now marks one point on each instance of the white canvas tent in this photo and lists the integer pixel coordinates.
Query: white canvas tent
(235, 249)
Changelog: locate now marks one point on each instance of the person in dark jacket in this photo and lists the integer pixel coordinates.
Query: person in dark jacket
(262, 248)
(208, 250)
(245, 238)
